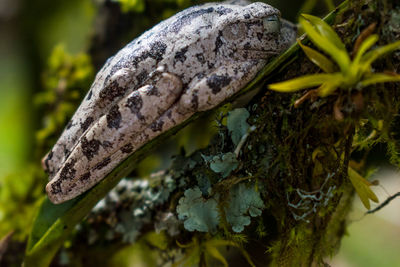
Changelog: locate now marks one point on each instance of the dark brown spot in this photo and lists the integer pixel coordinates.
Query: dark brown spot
(134, 103)
(106, 144)
(223, 10)
(111, 91)
(103, 163)
(142, 77)
(157, 50)
(217, 82)
(157, 126)
(200, 58)
(90, 148)
(85, 177)
(218, 42)
(180, 55)
(153, 91)
(85, 125)
(194, 102)
(66, 152)
(56, 187)
(114, 118)
(128, 148)
(68, 171)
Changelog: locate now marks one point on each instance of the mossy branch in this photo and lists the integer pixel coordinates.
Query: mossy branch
(297, 159)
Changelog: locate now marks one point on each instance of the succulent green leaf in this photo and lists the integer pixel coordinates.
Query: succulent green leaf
(328, 88)
(326, 31)
(362, 187)
(373, 55)
(225, 243)
(379, 78)
(303, 82)
(214, 252)
(367, 44)
(327, 45)
(318, 59)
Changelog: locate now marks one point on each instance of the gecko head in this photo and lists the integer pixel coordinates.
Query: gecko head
(253, 31)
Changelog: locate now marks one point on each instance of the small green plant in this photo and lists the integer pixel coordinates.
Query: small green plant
(347, 74)
(353, 74)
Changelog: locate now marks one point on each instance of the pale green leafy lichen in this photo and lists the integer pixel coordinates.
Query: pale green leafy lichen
(237, 124)
(224, 164)
(243, 201)
(198, 214)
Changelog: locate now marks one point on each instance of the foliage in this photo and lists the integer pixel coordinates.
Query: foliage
(64, 79)
(19, 192)
(362, 187)
(354, 74)
(131, 5)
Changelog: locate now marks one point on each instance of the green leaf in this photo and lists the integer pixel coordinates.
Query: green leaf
(303, 82)
(318, 59)
(379, 78)
(339, 55)
(362, 187)
(220, 242)
(373, 55)
(326, 31)
(328, 88)
(213, 251)
(367, 44)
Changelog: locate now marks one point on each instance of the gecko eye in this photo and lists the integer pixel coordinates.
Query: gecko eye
(234, 31)
(272, 24)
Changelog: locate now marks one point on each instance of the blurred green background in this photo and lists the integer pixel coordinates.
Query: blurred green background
(42, 40)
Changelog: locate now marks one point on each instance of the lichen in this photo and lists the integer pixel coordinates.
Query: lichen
(244, 201)
(198, 214)
(224, 164)
(237, 124)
